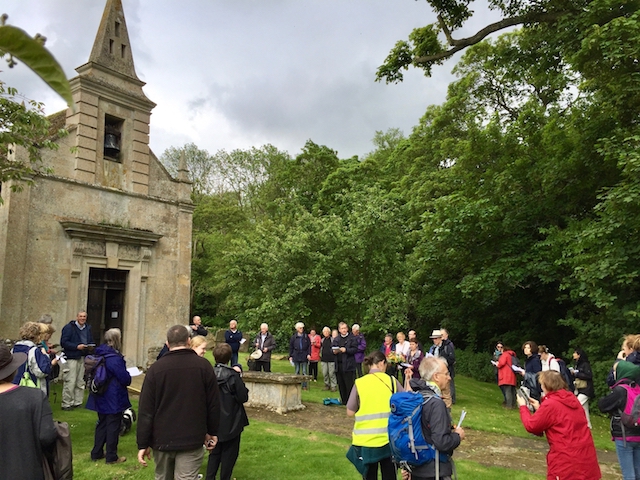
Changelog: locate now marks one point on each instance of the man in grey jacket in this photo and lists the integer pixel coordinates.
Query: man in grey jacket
(436, 420)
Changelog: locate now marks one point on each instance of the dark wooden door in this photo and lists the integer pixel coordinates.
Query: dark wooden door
(105, 305)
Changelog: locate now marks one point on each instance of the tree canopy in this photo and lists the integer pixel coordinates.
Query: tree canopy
(510, 212)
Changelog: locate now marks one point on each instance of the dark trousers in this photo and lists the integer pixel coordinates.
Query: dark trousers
(387, 470)
(234, 358)
(264, 366)
(107, 432)
(313, 370)
(345, 384)
(358, 370)
(452, 387)
(224, 456)
(509, 392)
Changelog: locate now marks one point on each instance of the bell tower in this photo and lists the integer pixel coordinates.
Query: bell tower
(112, 115)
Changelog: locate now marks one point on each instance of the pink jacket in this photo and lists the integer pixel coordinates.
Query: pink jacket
(316, 343)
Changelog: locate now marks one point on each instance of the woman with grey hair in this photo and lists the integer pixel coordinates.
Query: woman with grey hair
(300, 351)
(113, 402)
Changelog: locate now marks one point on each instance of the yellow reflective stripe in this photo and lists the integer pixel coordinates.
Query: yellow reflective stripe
(372, 416)
(369, 431)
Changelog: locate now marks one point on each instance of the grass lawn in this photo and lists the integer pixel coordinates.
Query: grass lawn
(277, 452)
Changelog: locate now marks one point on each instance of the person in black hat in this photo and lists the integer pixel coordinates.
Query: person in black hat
(27, 422)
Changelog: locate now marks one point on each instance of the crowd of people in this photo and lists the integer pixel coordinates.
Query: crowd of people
(552, 397)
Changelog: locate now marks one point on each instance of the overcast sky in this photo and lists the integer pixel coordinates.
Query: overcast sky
(229, 74)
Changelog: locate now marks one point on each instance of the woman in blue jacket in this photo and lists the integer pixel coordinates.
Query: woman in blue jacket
(113, 402)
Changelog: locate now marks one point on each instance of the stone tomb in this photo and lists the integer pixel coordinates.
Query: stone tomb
(277, 392)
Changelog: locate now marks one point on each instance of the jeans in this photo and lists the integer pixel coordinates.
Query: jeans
(629, 458)
(509, 393)
(301, 369)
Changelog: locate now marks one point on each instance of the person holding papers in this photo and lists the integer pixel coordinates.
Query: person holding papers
(507, 377)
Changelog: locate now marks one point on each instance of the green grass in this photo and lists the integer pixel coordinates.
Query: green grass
(482, 402)
(278, 452)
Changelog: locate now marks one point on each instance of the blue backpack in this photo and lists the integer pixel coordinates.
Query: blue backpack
(406, 440)
(95, 373)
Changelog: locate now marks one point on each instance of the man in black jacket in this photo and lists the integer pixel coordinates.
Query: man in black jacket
(233, 418)
(345, 346)
(436, 420)
(174, 428)
(197, 328)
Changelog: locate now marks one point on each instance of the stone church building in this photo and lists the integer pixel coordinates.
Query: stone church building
(108, 230)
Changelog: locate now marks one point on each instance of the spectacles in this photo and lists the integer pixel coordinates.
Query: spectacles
(446, 372)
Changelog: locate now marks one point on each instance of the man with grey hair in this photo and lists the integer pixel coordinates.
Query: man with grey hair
(436, 419)
(264, 342)
(77, 341)
(344, 347)
(300, 352)
(196, 327)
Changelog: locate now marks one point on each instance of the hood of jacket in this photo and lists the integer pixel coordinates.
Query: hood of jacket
(105, 349)
(565, 397)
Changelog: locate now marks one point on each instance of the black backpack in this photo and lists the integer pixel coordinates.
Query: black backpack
(566, 374)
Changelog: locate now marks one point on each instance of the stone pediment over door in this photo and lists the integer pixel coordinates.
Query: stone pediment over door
(118, 248)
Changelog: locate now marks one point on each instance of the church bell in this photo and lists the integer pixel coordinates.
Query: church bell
(111, 145)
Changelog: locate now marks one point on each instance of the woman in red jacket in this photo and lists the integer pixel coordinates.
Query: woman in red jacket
(507, 377)
(560, 416)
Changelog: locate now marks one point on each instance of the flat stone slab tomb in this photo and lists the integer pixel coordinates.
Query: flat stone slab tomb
(277, 392)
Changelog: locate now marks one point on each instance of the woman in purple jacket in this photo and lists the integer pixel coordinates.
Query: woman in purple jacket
(113, 402)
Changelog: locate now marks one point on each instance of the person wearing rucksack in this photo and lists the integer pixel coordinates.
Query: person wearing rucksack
(618, 403)
(369, 403)
(110, 404)
(436, 423)
(34, 372)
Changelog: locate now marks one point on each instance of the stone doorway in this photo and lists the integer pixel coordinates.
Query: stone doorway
(105, 300)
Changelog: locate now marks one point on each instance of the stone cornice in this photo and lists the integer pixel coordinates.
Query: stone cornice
(110, 233)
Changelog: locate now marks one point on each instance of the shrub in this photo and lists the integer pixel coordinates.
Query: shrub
(475, 365)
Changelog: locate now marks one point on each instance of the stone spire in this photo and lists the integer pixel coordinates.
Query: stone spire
(112, 48)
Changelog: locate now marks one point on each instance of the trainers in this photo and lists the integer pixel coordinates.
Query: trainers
(119, 460)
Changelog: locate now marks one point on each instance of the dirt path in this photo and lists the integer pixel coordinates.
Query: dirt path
(491, 449)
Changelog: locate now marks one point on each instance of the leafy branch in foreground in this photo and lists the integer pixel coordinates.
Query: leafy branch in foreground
(15, 42)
